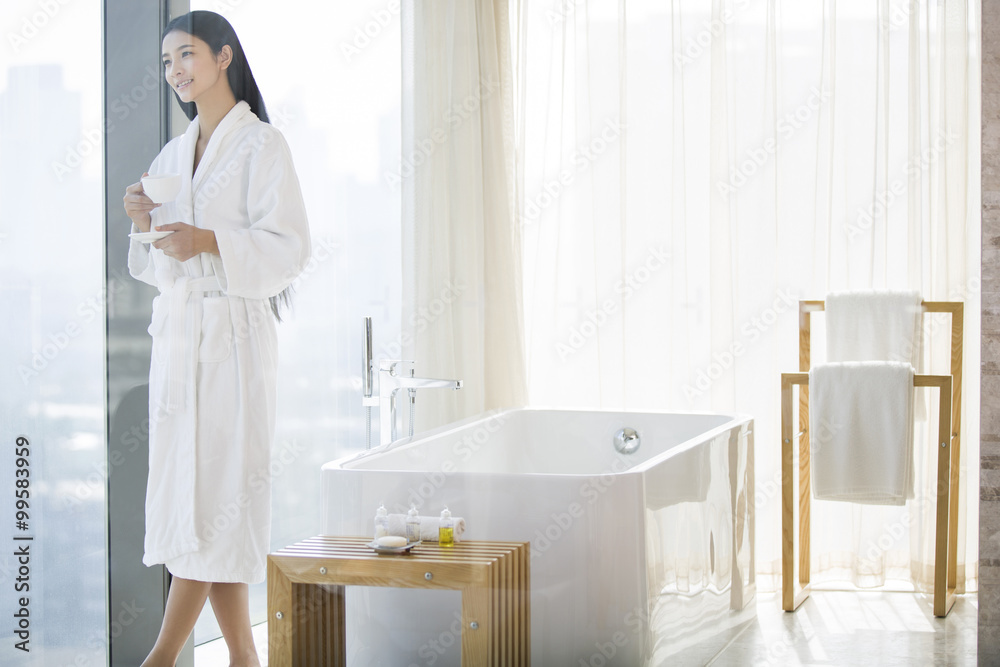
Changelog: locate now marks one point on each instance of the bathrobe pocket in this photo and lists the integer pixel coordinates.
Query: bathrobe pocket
(216, 330)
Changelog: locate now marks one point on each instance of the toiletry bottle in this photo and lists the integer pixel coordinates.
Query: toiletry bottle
(381, 522)
(446, 529)
(412, 525)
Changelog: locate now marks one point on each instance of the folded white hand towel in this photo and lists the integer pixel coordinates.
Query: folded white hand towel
(873, 326)
(428, 526)
(861, 431)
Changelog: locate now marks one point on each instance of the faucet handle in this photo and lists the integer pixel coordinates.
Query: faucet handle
(394, 366)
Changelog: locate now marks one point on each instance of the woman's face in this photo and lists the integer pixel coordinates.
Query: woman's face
(191, 68)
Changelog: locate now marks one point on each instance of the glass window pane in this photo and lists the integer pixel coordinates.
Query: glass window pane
(51, 281)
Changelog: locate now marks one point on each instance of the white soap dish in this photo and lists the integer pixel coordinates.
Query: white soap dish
(391, 550)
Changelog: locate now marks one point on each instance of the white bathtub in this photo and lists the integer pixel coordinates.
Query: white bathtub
(638, 559)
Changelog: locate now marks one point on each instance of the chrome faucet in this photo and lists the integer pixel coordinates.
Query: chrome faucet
(392, 378)
(393, 375)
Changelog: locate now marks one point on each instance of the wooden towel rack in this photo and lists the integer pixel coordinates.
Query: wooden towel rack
(796, 590)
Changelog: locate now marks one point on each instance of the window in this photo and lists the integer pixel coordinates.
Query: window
(52, 297)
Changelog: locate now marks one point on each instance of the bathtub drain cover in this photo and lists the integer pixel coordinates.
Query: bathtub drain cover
(627, 440)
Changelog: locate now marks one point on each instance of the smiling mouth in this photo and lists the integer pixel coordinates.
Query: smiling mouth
(184, 84)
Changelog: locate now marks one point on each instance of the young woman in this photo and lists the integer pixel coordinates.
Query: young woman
(239, 238)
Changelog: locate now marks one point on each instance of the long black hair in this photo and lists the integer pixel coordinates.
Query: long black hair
(217, 32)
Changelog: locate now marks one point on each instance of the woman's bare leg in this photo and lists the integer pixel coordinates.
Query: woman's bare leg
(184, 603)
(231, 604)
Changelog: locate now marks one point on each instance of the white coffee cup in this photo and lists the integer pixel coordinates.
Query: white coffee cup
(161, 187)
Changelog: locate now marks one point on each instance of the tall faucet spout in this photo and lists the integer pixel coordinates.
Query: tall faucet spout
(403, 382)
(394, 375)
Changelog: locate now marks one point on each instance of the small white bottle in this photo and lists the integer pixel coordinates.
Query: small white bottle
(381, 522)
(412, 525)
(446, 529)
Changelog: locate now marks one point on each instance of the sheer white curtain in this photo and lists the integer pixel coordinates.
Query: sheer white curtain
(687, 170)
(461, 249)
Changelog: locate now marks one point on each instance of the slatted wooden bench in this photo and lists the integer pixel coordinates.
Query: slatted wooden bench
(305, 596)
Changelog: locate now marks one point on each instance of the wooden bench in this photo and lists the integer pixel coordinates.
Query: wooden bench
(305, 596)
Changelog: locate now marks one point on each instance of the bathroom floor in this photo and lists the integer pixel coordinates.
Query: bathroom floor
(855, 628)
(215, 653)
(830, 628)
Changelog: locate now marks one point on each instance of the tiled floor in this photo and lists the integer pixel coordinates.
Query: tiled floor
(215, 653)
(830, 628)
(855, 628)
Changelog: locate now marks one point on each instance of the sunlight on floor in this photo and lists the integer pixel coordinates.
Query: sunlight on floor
(830, 628)
(845, 628)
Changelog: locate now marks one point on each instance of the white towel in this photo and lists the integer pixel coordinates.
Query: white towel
(873, 326)
(861, 431)
(428, 526)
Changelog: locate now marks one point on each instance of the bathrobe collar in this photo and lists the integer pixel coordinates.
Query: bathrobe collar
(238, 116)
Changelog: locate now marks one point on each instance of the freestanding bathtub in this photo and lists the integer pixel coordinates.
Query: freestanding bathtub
(638, 559)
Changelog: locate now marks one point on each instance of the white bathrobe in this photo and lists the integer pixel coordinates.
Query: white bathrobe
(214, 359)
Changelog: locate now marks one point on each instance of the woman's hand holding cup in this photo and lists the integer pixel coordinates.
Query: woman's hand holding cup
(138, 205)
(149, 193)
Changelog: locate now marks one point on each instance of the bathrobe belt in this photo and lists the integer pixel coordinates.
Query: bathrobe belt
(182, 359)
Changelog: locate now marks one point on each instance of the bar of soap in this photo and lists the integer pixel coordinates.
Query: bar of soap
(391, 541)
